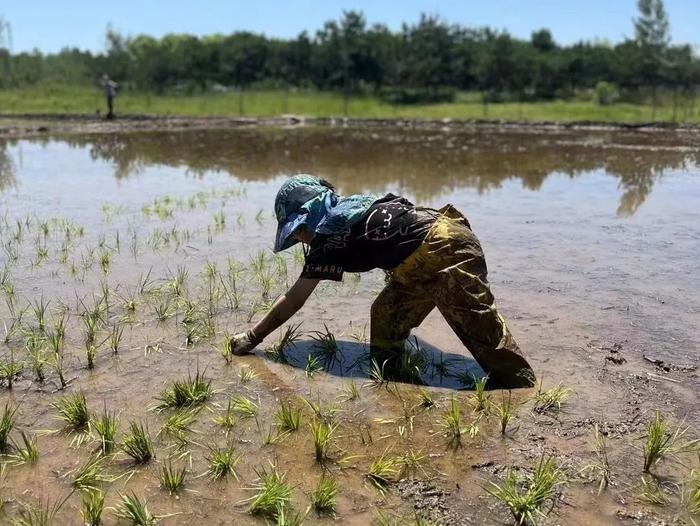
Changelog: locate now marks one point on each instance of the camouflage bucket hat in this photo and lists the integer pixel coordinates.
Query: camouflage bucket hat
(291, 197)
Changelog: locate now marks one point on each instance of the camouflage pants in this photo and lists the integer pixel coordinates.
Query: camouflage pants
(448, 270)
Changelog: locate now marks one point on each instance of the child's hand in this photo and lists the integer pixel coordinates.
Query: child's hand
(243, 343)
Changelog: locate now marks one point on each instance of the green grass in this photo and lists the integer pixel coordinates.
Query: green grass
(86, 100)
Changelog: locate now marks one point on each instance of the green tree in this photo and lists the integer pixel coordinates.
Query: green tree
(651, 30)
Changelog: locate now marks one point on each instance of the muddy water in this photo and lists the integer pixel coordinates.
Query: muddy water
(591, 238)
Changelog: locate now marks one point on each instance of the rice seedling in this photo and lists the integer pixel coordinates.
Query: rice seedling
(376, 375)
(227, 420)
(178, 281)
(285, 516)
(326, 347)
(93, 321)
(92, 505)
(313, 365)
(479, 399)
(41, 515)
(92, 474)
(25, 452)
(246, 375)
(324, 495)
(36, 356)
(73, 411)
(105, 261)
(382, 471)
(525, 498)
(425, 399)
(288, 417)
(39, 308)
(7, 423)
(551, 399)
(412, 363)
(352, 391)
(219, 220)
(325, 413)
(223, 462)
(451, 423)
(91, 355)
(105, 428)
(359, 334)
(258, 263)
(10, 369)
(115, 337)
(56, 341)
(410, 463)
(322, 433)
(179, 424)
(652, 491)
(244, 406)
(661, 442)
(691, 493)
(273, 493)
(172, 479)
(135, 511)
(163, 311)
(192, 391)
(137, 443)
(600, 468)
(504, 412)
(287, 340)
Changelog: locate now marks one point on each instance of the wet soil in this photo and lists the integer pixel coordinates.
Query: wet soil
(591, 238)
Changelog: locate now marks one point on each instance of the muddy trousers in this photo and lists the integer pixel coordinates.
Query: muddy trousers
(448, 271)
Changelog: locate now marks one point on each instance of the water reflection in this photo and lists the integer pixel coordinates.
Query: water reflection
(426, 163)
(7, 170)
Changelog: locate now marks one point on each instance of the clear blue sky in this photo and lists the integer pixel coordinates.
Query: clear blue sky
(51, 24)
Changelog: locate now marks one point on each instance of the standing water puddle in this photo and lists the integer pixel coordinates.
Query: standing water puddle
(592, 243)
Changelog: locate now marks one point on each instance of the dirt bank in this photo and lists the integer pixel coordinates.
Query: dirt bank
(25, 125)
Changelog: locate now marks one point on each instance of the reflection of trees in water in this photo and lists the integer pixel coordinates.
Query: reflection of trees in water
(7, 169)
(424, 163)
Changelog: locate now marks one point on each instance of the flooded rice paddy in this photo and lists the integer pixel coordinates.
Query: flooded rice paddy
(148, 249)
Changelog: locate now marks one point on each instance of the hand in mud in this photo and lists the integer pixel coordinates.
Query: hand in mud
(243, 343)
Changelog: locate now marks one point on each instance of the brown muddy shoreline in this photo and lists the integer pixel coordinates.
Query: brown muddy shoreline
(27, 125)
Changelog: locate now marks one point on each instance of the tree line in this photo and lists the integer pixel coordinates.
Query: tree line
(425, 61)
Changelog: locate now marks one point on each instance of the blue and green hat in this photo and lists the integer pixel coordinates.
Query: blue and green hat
(289, 207)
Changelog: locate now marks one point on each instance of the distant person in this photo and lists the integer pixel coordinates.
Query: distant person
(432, 257)
(110, 89)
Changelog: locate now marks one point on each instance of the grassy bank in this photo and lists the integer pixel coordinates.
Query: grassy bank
(81, 100)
